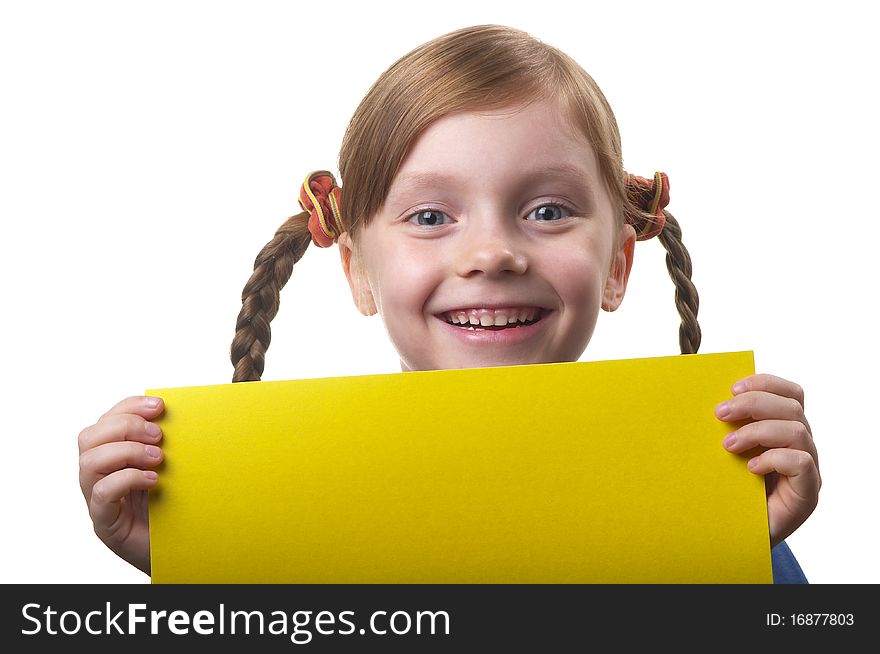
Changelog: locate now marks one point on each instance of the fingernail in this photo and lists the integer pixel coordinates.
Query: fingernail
(153, 451)
(739, 387)
(152, 429)
(151, 475)
(723, 410)
(152, 402)
(753, 463)
(729, 440)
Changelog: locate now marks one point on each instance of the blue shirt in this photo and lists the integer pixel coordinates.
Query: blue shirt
(786, 569)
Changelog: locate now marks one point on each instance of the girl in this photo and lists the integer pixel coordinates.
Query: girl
(486, 216)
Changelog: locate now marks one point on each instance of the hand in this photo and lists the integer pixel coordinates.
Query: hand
(113, 455)
(775, 409)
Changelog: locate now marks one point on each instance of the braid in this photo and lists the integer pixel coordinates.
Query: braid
(260, 297)
(678, 262)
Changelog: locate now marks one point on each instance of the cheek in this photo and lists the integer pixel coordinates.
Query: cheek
(578, 278)
(577, 281)
(402, 280)
(402, 284)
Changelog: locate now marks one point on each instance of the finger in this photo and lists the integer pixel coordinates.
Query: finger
(770, 434)
(761, 405)
(119, 427)
(798, 466)
(105, 503)
(100, 461)
(770, 384)
(148, 408)
(775, 385)
(141, 405)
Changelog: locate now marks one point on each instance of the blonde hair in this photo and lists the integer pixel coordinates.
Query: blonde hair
(476, 68)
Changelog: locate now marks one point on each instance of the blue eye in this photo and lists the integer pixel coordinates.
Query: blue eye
(550, 213)
(430, 217)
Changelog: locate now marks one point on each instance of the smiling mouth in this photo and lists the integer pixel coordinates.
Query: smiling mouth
(510, 325)
(495, 328)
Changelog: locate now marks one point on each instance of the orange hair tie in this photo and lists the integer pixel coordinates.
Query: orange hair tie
(653, 196)
(320, 196)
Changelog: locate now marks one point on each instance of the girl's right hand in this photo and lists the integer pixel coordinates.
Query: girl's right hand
(116, 455)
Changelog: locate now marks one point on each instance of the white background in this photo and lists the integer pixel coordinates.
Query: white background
(149, 150)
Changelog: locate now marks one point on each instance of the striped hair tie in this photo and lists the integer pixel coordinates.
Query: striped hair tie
(319, 196)
(651, 196)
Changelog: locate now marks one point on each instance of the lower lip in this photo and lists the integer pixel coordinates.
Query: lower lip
(510, 336)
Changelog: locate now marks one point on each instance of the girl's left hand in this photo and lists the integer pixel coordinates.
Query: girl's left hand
(775, 409)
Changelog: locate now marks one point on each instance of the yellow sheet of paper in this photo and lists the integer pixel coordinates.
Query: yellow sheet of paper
(589, 472)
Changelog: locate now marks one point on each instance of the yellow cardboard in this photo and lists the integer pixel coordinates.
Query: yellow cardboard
(587, 472)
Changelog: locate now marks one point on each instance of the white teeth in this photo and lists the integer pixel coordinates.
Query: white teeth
(500, 318)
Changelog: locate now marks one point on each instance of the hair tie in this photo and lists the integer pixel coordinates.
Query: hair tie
(319, 196)
(651, 196)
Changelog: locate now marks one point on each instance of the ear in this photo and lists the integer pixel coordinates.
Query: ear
(356, 275)
(618, 273)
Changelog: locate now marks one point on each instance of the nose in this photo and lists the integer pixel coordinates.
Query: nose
(491, 249)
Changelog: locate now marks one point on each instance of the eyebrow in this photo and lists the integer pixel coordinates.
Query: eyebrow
(568, 172)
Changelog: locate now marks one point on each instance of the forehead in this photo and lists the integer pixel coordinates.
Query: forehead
(497, 145)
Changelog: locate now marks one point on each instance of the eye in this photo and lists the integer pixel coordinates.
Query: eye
(549, 213)
(428, 218)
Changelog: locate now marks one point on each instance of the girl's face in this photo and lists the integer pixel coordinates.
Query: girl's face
(493, 218)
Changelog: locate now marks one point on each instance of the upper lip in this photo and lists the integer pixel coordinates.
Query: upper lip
(494, 305)
(462, 306)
